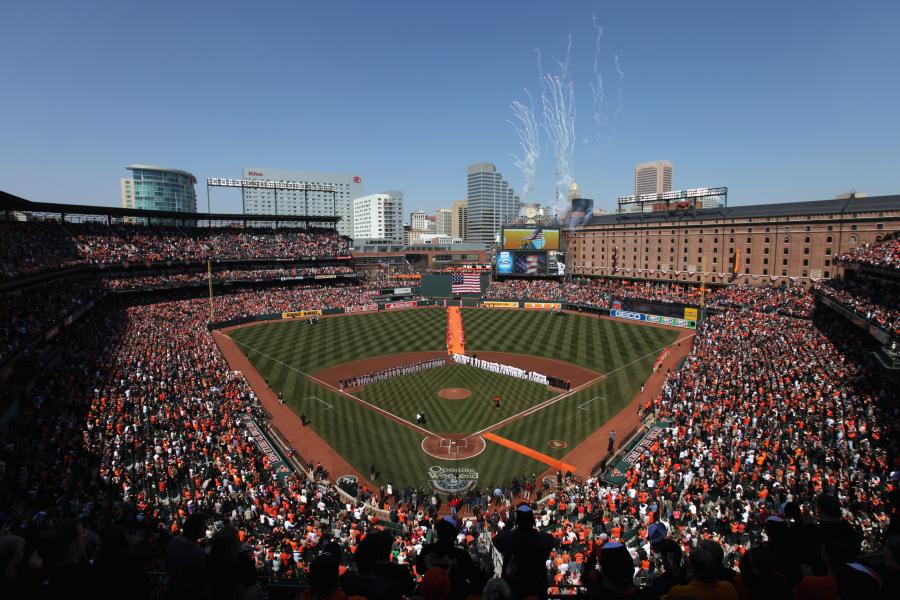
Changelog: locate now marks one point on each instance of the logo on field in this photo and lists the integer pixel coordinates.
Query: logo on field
(452, 480)
(558, 444)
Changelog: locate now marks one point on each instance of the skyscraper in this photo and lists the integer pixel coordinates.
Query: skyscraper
(653, 177)
(492, 204)
(460, 209)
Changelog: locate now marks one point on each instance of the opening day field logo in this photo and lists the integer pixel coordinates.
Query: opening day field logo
(452, 480)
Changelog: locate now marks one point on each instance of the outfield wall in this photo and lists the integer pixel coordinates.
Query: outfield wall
(302, 314)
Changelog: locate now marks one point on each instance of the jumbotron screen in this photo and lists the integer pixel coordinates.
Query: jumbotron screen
(530, 238)
(536, 264)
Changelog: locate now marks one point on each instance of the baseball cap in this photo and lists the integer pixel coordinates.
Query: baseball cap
(657, 532)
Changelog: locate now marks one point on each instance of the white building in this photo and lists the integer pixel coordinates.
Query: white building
(379, 217)
(418, 220)
(313, 203)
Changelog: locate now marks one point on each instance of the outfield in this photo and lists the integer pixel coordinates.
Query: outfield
(292, 355)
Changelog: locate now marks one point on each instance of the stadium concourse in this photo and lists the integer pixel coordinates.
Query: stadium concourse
(129, 464)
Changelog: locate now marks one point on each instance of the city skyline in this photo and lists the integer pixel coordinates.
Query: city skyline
(748, 97)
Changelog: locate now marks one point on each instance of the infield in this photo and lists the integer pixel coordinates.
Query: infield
(375, 425)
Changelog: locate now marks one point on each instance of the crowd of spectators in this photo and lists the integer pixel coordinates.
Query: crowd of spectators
(877, 302)
(761, 442)
(30, 247)
(139, 280)
(794, 301)
(885, 254)
(30, 312)
(773, 463)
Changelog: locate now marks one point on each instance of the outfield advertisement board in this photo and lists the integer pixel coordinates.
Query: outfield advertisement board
(505, 262)
(498, 304)
(544, 305)
(398, 305)
(660, 320)
(299, 314)
(359, 309)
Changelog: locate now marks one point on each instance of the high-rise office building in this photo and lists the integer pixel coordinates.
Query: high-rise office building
(417, 220)
(443, 222)
(460, 219)
(347, 187)
(653, 177)
(158, 188)
(492, 204)
(379, 217)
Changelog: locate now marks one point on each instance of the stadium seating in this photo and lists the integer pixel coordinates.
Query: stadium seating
(776, 418)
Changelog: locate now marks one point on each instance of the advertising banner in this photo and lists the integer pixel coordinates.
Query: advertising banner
(299, 314)
(627, 314)
(332, 276)
(402, 291)
(359, 309)
(635, 450)
(530, 238)
(505, 262)
(397, 305)
(544, 305)
(498, 304)
(636, 316)
(690, 314)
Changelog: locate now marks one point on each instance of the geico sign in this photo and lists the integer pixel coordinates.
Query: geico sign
(624, 314)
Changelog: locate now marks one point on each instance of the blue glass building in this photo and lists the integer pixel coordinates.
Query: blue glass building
(159, 188)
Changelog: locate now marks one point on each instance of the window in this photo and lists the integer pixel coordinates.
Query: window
(853, 240)
(806, 240)
(805, 262)
(749, 240)
(828, 240)
(853, 228)
(784, 262)
(807, 228)
(765, 261)
(787, 251)
(787, 239)
(827, 274)
(765, 271)
(879, 226)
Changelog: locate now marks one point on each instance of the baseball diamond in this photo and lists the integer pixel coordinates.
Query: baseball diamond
(597, 357)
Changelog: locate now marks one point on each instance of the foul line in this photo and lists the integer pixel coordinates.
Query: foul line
(325, 384)
(583, 404)
(539, 456)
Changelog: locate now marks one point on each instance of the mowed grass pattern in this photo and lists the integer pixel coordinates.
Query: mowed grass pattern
(283, 352)
(336, 340)
(598, 344)
(405, 396)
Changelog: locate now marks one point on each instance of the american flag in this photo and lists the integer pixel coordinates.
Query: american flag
(465, 284)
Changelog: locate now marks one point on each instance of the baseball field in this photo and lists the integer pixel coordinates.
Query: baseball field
(466, 439)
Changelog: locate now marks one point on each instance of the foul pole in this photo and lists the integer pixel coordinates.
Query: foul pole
(209, 279)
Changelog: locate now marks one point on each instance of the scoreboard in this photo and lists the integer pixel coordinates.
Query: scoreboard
(530, 252)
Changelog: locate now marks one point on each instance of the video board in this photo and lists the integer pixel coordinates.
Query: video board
(530, 264)
(530, 238)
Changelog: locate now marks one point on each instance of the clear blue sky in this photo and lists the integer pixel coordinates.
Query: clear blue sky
(779, 101)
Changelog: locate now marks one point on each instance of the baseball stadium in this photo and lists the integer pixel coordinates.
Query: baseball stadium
(168, 377)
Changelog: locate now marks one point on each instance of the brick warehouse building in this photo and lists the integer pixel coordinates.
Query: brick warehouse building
(762, 243)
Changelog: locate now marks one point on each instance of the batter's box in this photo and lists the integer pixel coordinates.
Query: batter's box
(327, 405)
(453, 446)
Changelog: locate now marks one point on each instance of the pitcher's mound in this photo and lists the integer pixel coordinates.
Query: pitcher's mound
(453, 446)
(454, 393)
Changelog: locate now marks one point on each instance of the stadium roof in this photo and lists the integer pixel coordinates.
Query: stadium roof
(134, 166)
(12, 202)
(784, 209)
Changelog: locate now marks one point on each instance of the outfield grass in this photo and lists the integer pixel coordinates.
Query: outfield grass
(405, 396)
(284, 352)
(598, 344)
